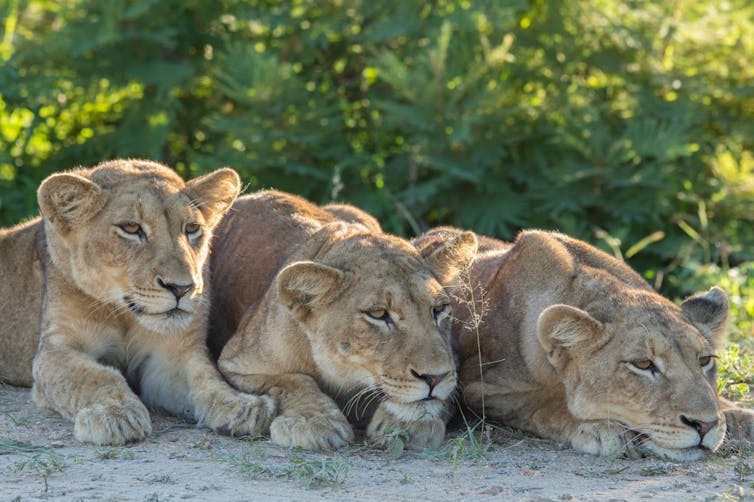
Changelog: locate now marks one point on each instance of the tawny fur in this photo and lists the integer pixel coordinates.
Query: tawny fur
(564, 324)
(93, 279)
(309, 339)
(21, 286)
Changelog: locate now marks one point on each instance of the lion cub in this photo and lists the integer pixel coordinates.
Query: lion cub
(575, 346)
(324, 310)
(124, 249)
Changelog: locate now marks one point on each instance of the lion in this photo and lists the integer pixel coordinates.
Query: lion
(575, 346)
(110, 282)
(336, 320)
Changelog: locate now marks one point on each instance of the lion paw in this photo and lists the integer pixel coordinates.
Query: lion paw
(418, 429)
(113, 423)
(240, 414)
(740, 424)
(315, 431)
(604, 438)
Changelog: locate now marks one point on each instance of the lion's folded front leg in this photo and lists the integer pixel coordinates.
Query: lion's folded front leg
(308, 418)
(188, 384)
(222, 408)
(96, 397)
(422, 423)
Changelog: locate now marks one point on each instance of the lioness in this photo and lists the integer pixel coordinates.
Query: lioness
(348, 313)
(575, 346)
(114, 272)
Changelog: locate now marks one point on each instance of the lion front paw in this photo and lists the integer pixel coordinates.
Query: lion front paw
(416, 425)
(312, 431)
(604, 438)
(240, 414)
(113, 423)
(740, 424)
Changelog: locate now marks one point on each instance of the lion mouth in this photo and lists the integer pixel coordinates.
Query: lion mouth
(172, 313)
(642, 445)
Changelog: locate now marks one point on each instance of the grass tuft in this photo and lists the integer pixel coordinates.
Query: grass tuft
(318, 472)
(9, 446)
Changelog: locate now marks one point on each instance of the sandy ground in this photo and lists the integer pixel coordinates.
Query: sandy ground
(39, 460)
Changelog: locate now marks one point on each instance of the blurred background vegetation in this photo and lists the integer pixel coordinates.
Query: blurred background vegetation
(626, 123)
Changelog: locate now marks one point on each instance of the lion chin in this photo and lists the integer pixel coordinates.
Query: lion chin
(167, 323)
(676, 454)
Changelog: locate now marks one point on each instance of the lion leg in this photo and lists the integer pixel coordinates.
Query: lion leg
(422, 423)
(95, 397)
(190, 385)
(739, 421)
(548, 417)
(308, 418)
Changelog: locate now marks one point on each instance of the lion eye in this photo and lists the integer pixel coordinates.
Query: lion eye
(438, 310)
(705, 360)
(380, 315)
(644, 364)
(192, 230)
(132, 229)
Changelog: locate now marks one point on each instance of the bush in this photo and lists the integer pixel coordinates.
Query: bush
(624, 123)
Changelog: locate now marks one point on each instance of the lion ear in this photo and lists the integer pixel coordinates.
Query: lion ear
(214, 193)
(561, 328)
(709, 313)
(301, 285)
(451, 257)
(67, 199)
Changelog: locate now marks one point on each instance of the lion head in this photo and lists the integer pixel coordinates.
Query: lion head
(133, 235)
(645, 364)
(376, 312)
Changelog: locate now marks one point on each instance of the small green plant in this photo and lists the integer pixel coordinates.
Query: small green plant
(112, 453)
(394, 441)
(318, 472)
(10, 446)
(44, 463)
(248, 463)
(18, 421)
(473, 444)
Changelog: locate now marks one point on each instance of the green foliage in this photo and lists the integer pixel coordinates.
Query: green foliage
(735, 373)
(318, 472)
(471, 445)
(251, 463)
(394, 441)
(624, 123)
(312, 471)
(9, 446)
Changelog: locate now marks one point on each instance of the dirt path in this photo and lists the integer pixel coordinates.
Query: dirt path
(39, 460)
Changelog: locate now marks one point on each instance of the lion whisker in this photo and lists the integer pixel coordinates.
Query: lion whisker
(353, 402)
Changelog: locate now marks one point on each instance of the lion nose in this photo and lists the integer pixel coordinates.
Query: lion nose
(701, 427)
(178, 290)
(432, 380)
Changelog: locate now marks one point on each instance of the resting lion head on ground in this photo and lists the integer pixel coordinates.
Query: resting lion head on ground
(575, 346)
(325, 310)
(113, 276)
